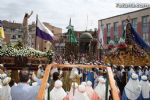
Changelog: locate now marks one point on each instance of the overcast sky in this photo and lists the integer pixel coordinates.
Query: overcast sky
(58, 12)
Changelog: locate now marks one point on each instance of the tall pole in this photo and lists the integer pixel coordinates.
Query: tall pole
(100, 41)
(36, 32)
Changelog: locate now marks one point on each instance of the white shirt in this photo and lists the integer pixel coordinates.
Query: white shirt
(24, 91)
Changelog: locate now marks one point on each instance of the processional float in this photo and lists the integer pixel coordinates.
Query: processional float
(132, 50)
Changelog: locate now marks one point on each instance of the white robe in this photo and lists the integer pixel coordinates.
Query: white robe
(6, 95)
(57, 94)
(5, 92)
(132, 89)
(0, 90)
(70, 94)
(100, 89)
(145, 88)
(89, 91)
(81, 96)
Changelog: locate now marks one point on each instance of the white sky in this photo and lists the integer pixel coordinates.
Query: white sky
(58, 12)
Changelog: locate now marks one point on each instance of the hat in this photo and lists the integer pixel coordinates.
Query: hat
(101, 80)
(58, 84)
(82, 88)
(39, 66)
(134, 76)
(114, 66)
(140, 67)
(122, 66)
(146, 67)
(132, 66)
(89, 83)
(83, 83)
(144, 78)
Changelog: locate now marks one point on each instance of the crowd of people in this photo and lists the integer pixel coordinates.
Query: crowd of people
(77, 83)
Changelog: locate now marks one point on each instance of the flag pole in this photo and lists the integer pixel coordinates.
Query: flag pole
(36, 32)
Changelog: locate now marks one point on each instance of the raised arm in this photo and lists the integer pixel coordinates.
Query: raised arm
(30, 14)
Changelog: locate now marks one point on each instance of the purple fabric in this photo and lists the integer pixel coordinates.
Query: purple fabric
(43, 34)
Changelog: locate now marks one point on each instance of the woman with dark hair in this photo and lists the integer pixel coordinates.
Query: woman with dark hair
(55, 76)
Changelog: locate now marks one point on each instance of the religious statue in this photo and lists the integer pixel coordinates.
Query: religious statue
(26, 28)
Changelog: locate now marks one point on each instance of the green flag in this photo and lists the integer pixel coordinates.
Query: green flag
(71, 34)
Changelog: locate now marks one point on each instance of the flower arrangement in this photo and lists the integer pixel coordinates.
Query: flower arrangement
(10, 53)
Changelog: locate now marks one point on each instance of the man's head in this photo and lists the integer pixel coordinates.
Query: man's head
(26, 15)
(24, 75)
(55, 76)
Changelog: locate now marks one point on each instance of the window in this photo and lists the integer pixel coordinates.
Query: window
(123, 24)
(116, 32)
(19, 36)
(13, 37)
(115, 28)
(108, 39)
(145, 29)
(134, 23)
(102, 27)
(108, 33)
(108, 29)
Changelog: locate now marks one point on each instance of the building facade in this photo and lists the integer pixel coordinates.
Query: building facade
(113, 27)
(14, 31)
(86, 45)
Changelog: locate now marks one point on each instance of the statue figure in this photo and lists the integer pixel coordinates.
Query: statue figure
(26, 28)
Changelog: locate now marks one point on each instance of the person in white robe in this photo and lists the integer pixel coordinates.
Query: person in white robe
(74, 87)
(74, 73)
(57, 93)
(81, 93)
(145, 88)
(89, 89)
(84, 83)
(146, 72)
(100, 89)
(132, 89)
(5, 88)
(131, 71)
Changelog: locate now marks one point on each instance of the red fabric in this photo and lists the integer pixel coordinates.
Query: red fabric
(111, 46)
(121, 45)
(95, 96)
(66, 98)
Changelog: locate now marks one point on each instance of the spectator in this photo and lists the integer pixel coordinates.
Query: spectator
(23, 91)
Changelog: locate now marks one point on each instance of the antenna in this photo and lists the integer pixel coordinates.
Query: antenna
(87, 23)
